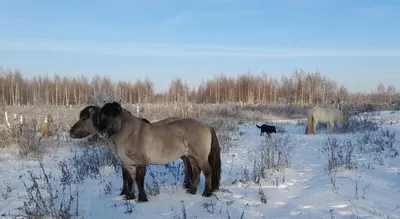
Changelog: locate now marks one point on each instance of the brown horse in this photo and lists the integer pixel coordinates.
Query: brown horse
(86, 125)
(137, 142)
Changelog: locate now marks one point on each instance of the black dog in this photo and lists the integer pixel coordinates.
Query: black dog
(267, 129)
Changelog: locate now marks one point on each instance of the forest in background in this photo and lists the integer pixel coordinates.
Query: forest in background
(300, 88)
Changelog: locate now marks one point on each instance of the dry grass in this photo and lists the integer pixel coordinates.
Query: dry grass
(63, 117)
(30, 140)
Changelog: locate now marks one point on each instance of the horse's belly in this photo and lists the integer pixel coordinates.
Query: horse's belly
(164, 156)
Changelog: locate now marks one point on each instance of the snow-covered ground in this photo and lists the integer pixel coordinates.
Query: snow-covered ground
(303, 190)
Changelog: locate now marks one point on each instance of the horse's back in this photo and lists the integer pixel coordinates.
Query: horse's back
(166, 120)
(188, 129)
(324, 114)
(189, 124)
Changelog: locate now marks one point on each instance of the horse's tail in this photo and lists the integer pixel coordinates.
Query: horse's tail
(214, 159)
(310, 122)
(258, 126)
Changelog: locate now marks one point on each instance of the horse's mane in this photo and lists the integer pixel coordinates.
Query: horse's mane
(116, 108)
(145, 120)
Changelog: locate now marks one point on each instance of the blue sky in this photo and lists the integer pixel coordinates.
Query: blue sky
(353, 42)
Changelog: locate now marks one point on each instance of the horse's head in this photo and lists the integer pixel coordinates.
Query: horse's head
(86, 125)
(110, 119)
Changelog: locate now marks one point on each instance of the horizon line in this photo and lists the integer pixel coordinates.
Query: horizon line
(183, 50)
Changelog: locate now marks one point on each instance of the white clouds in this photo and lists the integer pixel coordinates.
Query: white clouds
(184, 50)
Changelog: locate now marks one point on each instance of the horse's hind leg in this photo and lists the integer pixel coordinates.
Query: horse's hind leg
(188, 172)
(206, 168)
(195, 175)
(140, 174)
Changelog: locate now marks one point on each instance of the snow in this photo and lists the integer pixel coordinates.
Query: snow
(303, 190)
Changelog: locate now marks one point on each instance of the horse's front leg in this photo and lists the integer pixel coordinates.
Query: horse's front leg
(330, 126)
(127, 184)
(140, 175)
(315, 126)
(128, 187)
(132, 172)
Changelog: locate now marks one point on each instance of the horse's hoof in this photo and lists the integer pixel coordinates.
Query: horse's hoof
(192, 191)
(186, 185)
(130, 196)
(142, 198)
(206, 194)
(123, 192)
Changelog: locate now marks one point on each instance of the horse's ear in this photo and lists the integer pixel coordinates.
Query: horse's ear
(91, 110)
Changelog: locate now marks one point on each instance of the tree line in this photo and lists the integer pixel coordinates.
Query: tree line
(300, 88)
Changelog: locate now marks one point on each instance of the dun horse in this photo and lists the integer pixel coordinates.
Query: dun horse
(137, 142)
(188, 169)
(87, 125)
(324, 115)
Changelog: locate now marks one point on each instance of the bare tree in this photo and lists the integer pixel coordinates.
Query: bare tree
(300, 88)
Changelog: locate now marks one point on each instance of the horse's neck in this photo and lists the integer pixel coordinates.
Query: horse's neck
(127, 119)
(112, 144)
(339, 115)
(336, 114)
(128, 116)
(132, 122)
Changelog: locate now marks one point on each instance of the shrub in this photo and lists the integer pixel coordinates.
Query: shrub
(360, 122)
(338, 153)
(45, 200)
(29, 142)
(88, 161)
(380, 144)
(273, 154)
